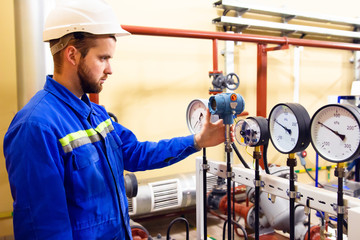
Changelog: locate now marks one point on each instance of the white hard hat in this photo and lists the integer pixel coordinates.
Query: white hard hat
(89, 16)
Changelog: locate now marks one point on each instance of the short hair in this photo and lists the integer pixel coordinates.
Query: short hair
(81, 41)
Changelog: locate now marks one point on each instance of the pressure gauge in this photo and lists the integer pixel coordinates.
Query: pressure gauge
(252, 131)
(289, 126)
(196, 113)
(335, 132)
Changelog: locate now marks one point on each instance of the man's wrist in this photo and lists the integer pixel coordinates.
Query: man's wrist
(196, 145)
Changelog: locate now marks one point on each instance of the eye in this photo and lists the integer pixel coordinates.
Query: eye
(104, 58)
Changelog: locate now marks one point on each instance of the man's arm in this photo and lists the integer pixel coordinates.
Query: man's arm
(150, 155)
(36, 175)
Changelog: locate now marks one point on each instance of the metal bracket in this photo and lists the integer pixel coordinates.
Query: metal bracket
(271, 197)
(293, 194)
(230, 174)
(259, 183)
(205, 167)
(340, 209)
(287, 18)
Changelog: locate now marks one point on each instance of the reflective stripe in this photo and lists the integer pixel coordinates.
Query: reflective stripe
(104, 128)
(82, 137)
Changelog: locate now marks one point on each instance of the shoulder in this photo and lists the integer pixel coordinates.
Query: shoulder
(42, 110)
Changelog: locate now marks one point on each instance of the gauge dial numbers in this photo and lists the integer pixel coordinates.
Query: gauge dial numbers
(196, 114)
(252, 131)
(289, 126)
(335, 132)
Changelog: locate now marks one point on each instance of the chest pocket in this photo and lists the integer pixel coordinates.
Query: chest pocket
(116, 151)
(87, 176)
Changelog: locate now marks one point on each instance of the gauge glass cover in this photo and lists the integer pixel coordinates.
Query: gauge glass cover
(335, 132)
(247, 132)
(283, 128)
(196, 114)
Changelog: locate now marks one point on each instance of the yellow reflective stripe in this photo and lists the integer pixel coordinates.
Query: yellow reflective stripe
(76, 135)
(84, 133)
(103, 125)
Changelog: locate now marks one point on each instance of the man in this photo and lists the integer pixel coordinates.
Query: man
(64, 155)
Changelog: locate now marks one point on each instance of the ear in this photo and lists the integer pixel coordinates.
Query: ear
(71, 55)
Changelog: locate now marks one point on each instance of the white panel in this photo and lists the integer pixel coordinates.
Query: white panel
(254, 8)
(259, 24)
(320, 199)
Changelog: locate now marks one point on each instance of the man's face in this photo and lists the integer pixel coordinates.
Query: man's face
(94, 68)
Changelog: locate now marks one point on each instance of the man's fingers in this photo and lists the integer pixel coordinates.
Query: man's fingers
(208, 115)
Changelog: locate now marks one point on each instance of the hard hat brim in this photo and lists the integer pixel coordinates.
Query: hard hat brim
(96, 29)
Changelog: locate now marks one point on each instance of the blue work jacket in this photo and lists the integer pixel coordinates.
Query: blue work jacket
(65, 159)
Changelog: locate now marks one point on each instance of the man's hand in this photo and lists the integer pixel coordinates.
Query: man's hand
(212, 134)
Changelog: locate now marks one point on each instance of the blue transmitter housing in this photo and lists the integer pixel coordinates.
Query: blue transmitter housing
(226, 105)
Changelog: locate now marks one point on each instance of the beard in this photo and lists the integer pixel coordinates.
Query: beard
(88, 82)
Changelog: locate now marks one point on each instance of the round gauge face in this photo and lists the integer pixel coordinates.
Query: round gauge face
(335, 132)
(247, 132)
(288, 127)
(195, 115)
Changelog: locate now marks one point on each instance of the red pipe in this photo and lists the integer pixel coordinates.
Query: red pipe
(169, 32)
(215, 55)
(261, 98)
(261, 88)
(94, 97)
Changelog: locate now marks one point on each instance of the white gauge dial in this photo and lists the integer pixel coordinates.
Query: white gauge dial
(247, 132)
(288, 127)
(195, 115)
(335, 132)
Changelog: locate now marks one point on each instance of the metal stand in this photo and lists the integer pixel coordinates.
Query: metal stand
(291, 162)
(205, 168)
(228, 150)
(340, 173)
(257, 157)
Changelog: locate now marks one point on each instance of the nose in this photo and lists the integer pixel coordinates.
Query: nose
(108, 69)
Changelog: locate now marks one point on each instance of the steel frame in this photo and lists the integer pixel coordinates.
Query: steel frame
(320, 199)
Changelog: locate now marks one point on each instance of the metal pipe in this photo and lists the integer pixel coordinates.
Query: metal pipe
(30, 50)
(205, 191)
(261, 85)
(215, 55)
(261, 88)
(228, 150)
(169, 32)
(257, 156)
(291, 163)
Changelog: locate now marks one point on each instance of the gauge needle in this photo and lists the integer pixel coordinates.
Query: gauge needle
(342, 136)
(286, 129)
(200, 118)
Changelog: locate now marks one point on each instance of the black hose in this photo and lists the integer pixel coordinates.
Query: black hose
(340, 216)
(113, 116)
(237, 224)
(239, 156)
(178, 220)
(257, 157)
(265, 158)
(309, 217)
(205, 192)
(322, 218)
(233, 201)
(291, 162)
(307, 171)
(228, 182)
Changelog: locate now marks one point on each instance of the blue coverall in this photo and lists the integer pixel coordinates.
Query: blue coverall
(65, 159)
